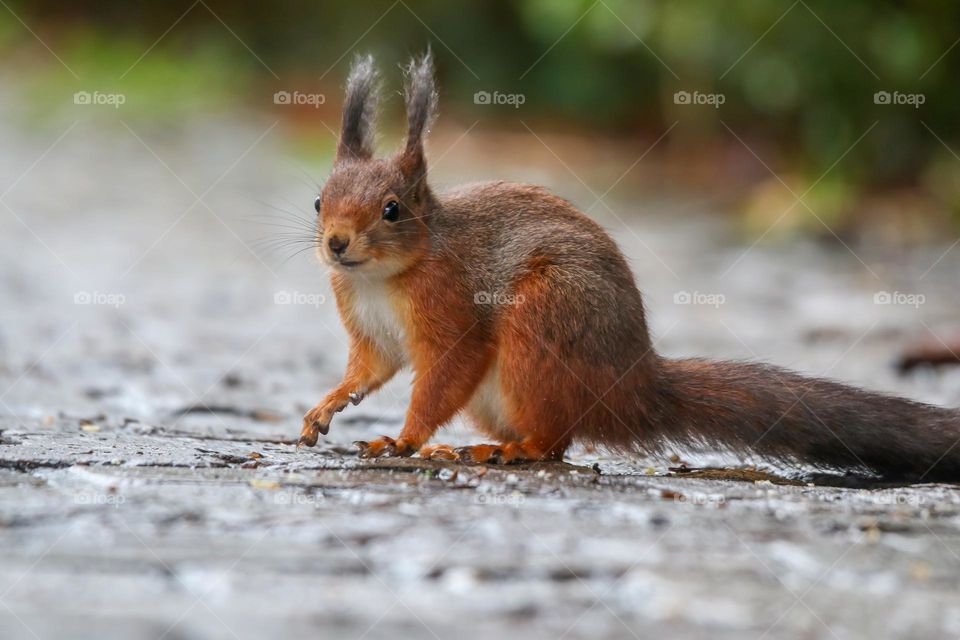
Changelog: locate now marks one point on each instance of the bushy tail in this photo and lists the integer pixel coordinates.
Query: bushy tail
(774, 412)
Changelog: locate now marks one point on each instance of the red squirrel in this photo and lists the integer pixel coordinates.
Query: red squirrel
(516, 309)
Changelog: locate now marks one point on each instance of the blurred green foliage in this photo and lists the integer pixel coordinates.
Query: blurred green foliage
(162, 87)
(798, 76)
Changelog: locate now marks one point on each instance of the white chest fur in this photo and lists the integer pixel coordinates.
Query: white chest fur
(377, 318)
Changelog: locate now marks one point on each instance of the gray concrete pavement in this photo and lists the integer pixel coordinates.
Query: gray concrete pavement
(124, 514)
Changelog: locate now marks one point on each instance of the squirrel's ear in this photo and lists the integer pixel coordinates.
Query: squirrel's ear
(359, 111)
(420, 94)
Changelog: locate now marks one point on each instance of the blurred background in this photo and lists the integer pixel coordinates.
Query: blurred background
(794, 86)
(720, 143)
(783, 177)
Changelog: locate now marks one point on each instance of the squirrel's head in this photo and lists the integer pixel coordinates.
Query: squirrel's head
(371, 211)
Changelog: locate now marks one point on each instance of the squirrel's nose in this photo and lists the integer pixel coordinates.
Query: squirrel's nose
(337, 244)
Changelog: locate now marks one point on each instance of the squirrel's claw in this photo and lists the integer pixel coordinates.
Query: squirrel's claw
(311, 433)
(439, 452)
(383, 447)
(355, 397)
(375, 449)
(307, 440)
(317, 423)
(482, 453)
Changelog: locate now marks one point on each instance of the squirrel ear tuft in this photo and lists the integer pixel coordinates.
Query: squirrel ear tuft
(359, 111)
(420, 94)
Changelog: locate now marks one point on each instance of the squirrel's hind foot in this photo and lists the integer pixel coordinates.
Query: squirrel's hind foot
(480, 453)
(383, 447)
(438, 452)
(483, 454)
(506, 453)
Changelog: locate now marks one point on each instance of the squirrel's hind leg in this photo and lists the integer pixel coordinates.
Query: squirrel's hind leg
(487, 413)
(514, 447)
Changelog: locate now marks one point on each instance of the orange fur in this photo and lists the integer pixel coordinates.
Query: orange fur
(449, 350)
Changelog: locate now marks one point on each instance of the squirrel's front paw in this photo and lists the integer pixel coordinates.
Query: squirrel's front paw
(383, 447)
(317, 422)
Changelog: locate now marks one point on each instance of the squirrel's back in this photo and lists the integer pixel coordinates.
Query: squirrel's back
(502, 230)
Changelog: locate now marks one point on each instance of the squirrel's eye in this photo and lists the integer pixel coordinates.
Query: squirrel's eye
(316, 204)
(391, 211)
